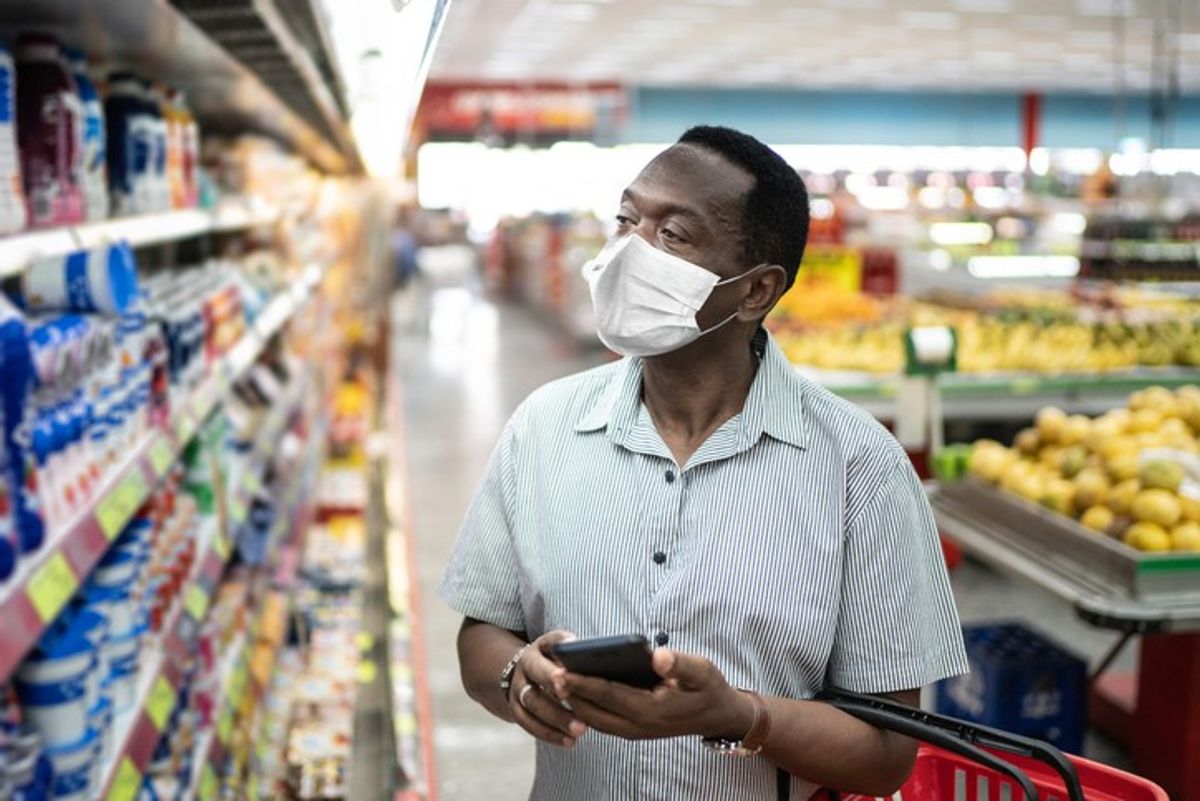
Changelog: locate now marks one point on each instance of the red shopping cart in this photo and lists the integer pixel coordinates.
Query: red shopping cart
(962, 761)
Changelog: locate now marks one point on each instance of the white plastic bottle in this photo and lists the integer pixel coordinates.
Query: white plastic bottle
(95, 179)
(12, 193)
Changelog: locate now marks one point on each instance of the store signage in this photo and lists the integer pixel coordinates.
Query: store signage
(506, 112)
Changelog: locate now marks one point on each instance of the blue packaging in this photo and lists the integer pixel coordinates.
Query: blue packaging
(129, 131)
(95, 181)
(1022, 682)
(16, 364)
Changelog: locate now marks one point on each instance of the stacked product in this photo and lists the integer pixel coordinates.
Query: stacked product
(70, 156)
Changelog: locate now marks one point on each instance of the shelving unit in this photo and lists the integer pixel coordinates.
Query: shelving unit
(46, 581)
(231, 214)
(1008, 396)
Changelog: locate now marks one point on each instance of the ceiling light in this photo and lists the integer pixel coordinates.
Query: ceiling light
(960, 233)
(1023, 266)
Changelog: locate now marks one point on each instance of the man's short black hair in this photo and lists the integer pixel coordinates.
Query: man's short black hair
(775, 216)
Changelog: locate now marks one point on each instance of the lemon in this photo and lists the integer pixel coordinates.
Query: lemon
(1147, 537)
(1161, 474)
(1050, 422)
(1076, 430)
(1124, 467)
(1156, 506)
(1059, 495)
(1027, 441)
(1098, 518)
(1121, 496)
(1186, 537)
(1145, 421)
(1190, 507)
(1091, 488)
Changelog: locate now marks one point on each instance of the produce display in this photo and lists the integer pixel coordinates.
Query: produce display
(1031, 331)
(1130, 474)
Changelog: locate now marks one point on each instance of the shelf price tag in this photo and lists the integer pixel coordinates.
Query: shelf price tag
(220, 546)
(127, 783)
(251, 482)
(225, 726)
(237, 685)
(51, 586)
(122, 501)
(160, 703)
(1024, 386)
(252, 787)
(161, 457)
(237, 508)
(208, 784)
(196, 602)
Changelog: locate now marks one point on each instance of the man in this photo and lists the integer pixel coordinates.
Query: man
(702, 493)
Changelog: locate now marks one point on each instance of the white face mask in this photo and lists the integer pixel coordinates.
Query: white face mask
(646, 299)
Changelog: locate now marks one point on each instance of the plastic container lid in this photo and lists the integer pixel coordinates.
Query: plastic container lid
(122, 275)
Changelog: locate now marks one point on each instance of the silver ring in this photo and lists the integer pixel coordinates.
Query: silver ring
(521, 695)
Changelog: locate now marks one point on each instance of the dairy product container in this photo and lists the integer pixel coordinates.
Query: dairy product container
(92, 156)
(47, 115)
(129, 129)
(13, 214)
(52, 685)
(102, 279)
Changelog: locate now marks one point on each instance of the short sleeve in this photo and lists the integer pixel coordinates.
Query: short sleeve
(482, 578)
(897, 628)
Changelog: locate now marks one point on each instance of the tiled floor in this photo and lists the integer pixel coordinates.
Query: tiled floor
(465, 367)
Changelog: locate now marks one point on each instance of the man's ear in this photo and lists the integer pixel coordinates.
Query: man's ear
(766, 288)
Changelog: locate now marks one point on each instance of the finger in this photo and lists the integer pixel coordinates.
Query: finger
(613, 696)
(550, 712)
(540, 670)
(690, 671)
(604, 720)
(538, 728)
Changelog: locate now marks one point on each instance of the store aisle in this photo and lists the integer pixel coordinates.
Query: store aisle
(463, 374)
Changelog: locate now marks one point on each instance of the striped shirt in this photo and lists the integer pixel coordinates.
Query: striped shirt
(795, 550)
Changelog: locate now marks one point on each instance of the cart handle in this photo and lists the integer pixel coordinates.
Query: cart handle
(958, 737)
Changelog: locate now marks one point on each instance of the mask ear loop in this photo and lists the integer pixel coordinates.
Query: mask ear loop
(710, 329)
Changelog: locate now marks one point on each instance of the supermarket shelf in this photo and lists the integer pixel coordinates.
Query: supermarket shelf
(227, 95)
(1097, 598)
(1005, 396)
(45, 582)
(232, 214)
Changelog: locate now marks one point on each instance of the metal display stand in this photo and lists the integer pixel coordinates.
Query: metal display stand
(1156, 713)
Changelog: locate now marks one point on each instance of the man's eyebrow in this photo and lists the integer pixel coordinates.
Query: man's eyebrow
(667, 210)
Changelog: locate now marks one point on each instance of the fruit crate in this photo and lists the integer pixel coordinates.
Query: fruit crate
(1068, 547)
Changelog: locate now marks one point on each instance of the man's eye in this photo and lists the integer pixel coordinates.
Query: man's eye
(623, 221)
(670, 235)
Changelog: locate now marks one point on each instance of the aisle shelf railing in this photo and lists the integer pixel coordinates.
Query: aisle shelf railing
(47, 580)
(230, 214)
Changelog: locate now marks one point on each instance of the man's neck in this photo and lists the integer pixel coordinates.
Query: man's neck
(689, 398)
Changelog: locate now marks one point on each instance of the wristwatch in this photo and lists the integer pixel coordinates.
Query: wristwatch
(754, 740)
(506, 675)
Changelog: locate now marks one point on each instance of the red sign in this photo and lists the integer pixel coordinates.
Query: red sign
(479, 110)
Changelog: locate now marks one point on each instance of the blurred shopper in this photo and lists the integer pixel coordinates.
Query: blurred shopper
(702, 493)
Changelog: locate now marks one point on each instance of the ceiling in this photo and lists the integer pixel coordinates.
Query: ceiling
(1046, 45)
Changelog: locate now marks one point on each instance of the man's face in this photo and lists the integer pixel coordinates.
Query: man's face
(689, 202)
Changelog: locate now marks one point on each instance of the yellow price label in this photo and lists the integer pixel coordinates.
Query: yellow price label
(220, 546)
(161, 457)
(364, 640)
(225, 726)
(208, 784)
(237, 685)
(237, 508)
(51, 586)
(121, 502)
(160, 703)
(1025, 386)
(127, 783)
(367, 671)
(202, 402)
(196, 602)
(251, 482)
(252, 787)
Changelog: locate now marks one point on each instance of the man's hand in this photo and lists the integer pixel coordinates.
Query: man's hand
(693, 698)
(532, 698)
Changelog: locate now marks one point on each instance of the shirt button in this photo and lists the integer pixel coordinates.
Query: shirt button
(661, 638)
(670, 476)
(659, 557)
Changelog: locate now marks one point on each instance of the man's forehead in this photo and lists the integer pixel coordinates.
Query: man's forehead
(701, 176)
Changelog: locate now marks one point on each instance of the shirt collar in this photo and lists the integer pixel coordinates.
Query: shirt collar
(774, 406)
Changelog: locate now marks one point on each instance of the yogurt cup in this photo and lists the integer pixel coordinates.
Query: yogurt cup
(52, 686)
(100, 722)
(75, 768)
(103, 279)
(117, 569)
(116, 604)
(122, 671)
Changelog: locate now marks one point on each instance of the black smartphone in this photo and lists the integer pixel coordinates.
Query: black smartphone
(625, 658)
